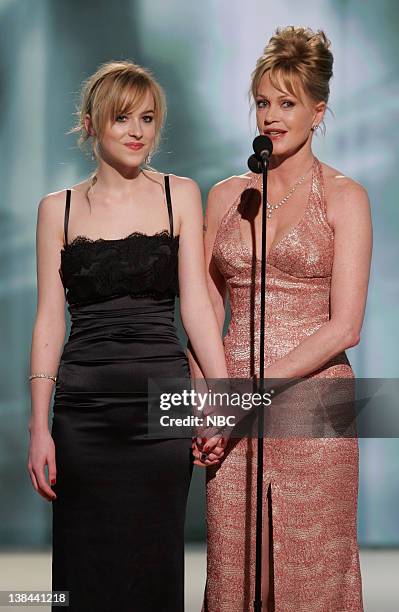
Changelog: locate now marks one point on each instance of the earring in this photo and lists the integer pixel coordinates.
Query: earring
(147, 160)
(314, 127)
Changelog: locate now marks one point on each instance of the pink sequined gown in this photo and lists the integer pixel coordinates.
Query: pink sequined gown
(314, 482)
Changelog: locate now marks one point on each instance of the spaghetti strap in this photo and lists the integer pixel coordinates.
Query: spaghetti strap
(169, 202)
(319, 176)
(66, 217)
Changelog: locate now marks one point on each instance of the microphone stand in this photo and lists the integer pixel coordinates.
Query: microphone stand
(262, 166)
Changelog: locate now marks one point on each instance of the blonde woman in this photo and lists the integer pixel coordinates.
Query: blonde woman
(121, 245)
(318, 258)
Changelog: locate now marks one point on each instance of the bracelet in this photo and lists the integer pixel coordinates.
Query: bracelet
(54, 378)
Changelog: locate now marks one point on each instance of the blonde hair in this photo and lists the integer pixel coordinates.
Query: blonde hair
(114, 89)
(296, 58)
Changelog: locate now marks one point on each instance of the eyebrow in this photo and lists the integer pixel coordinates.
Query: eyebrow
(151, 110)
(287, 95)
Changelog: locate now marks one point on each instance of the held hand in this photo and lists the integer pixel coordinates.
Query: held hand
(42, 453)
(208, 452)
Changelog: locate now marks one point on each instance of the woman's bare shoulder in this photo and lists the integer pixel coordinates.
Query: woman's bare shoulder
(50, 214)
(58, 198)
(222, 195)
(338, 184)
(346, 199)
(182, 187)
(52, 206)
(183, 183)
(231, 185)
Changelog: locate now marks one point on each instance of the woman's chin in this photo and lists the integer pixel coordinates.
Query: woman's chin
(125, 163)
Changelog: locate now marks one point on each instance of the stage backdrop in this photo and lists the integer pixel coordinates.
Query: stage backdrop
(203, 54)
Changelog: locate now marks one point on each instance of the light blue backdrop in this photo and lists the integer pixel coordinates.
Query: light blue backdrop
(203, 54)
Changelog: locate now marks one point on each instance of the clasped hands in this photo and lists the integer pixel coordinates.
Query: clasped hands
(209, 443)
(208, 447)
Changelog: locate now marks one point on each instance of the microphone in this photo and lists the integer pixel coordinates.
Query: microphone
(258, 163)
(263, 147)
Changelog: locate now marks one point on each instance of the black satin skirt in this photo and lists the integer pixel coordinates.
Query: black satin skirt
(118, 520)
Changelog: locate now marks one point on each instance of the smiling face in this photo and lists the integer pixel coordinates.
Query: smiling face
(287, 119)
(129, 137)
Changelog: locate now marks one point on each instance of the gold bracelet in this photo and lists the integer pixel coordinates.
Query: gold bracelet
(54, 378)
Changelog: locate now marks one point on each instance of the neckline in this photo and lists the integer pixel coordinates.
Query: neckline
(87, 240)
(168, 233)
(243, 243)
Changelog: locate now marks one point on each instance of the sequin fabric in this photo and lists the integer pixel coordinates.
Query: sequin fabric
(313, 482)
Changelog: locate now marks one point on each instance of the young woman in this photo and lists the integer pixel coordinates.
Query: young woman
(319, 241)
(121, 244)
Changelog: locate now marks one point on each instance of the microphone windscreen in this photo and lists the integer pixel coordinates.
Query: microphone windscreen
(254, 164)
(262, 143)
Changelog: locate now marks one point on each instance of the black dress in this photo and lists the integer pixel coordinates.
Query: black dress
(118, 520)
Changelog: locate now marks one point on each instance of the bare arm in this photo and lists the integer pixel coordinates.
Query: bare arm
(350, 275)
(197, 313)
(47, 338)
(202, 325)
(215, 281)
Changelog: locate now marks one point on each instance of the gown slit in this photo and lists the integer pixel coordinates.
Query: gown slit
(311, 483)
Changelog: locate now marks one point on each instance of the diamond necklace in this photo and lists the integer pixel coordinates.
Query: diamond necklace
(272, 207)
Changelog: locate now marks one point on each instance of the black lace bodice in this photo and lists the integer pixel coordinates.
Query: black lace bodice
(138, 264)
